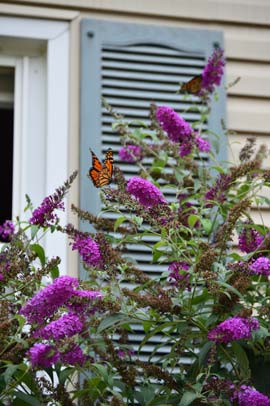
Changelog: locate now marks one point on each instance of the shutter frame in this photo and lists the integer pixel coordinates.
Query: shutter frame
(96, 34)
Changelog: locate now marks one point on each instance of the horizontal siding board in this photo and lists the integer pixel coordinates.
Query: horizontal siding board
(254, 79)
(250, 11)
(249, 115)
(246, 46)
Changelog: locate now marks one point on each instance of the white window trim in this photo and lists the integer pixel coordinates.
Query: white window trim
(51, 130)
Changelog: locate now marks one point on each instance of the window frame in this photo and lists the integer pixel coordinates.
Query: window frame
(50, 103)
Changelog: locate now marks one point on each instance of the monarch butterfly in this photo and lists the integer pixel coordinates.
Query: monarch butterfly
(193, 86)
(101, 174)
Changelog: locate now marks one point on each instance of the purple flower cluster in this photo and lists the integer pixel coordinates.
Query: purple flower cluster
(48, 300)
(235, 328)
(247, 396)
(74, 356)
(178, 275)
(180, 131)
(145, 192)
(186, 148)
(44, 304)
(7, 231)
(43, 355)
(66, 326)
(130, 153)
(213, 71)
(261, 266)
(177, 129)
(88, 250)
(203, 145)
(217, 192)
(44, 214)
(249, 239)
(82, 300)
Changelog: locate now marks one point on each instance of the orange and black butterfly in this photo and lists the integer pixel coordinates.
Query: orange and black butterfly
(193, 86)
(101, 173)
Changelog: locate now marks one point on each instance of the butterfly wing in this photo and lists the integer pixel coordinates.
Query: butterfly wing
(108, 163)
(101, 174)
(107, 169)
(95, 170)
(193, 86)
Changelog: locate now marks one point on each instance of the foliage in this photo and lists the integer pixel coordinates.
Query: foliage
(195, 333)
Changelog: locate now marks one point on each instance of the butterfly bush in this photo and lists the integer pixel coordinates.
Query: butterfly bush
(74, 356)
(7, 231)
(43, 355)
(247, 396)
(88, 250)
(177, 129)
(234, 328)
(249, 240)
(261, 266)
(177, 276)
(161, 262)
(203, 145)
(66, 326)
(145, 192)
(45, 303)
(213, 71)
(130, 153)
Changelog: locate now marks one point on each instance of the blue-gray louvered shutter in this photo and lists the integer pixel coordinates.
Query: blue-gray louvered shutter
(132, 65)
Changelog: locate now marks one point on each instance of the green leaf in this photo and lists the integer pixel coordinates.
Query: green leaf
(54, 272)
(242, 360)
(207, 225)
(65, 373)
(9, 372)
(231, 288)
(188, 398)
(118, 222)
(102, 371)
(168, 325)
(192, 220)
(20, 319)
(34, 231)
(40, 253)
(235, 256)
(147, 325)
(24, 399)
(114, 319)
(204, 352)
(200, 298)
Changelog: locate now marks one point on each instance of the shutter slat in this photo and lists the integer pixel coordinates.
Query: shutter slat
(144, 49)
(152, 59)
(173, 69)
(147, 77)
(157, 97)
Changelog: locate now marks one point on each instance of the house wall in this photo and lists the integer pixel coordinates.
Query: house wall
(246, 27)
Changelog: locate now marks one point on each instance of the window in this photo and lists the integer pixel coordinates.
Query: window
(132, 65)
(6, 119)
(37, 52)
